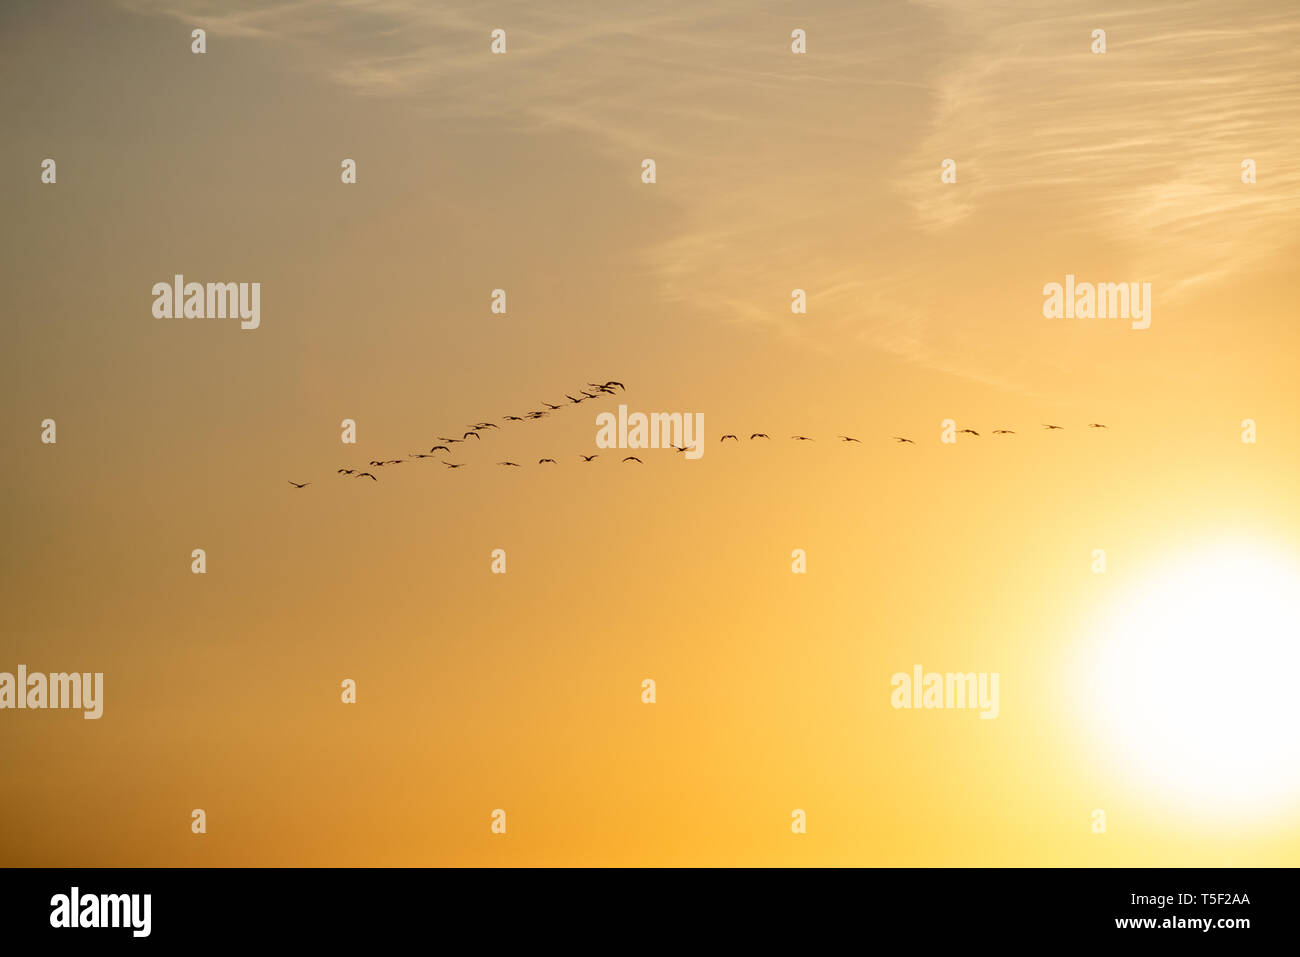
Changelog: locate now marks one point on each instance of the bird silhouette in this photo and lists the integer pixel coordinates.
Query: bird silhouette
(968, 431)
(487, 425)
(759, 435)
(440, 448)
(1003, 432)
(588, 458)
(515, 464)
(849, 438)
(347, 471)
(297, 485)
(1053, 426)
(512, 418)
(552, 461)
(475, 434)
(1095, 425)
(368, 475)
(727, 436)
(899, 438)
(801, 438)
(551, 407)
(633, 458)
(454, 465)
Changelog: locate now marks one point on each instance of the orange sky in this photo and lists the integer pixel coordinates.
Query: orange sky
(775, 172)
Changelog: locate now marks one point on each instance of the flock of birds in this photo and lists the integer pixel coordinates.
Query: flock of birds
(612, 387)
(896, 438)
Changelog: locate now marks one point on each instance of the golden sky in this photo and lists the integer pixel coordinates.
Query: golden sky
(775, 171)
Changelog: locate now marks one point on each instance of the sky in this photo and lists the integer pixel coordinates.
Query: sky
(775, 171)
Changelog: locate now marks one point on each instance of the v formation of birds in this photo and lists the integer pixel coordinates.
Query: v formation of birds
(612, 387)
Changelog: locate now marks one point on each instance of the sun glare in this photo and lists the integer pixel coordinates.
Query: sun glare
(1191, 680)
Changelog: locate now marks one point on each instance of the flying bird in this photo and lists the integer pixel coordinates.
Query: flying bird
(849, 438)
(572, 399)
(551, 407)
(759, 435)
(486, 425)
(515, 464)
(347, 471)
(453, 465)
(1095, 425)
(801, 438)
(368, 475)
(512, 418)
(440, 448)
(1003, 432)
(899, 438)
(633, 458)
(552, 461)
(588, 458)
(442, 439)
(296, 485)
(475, 434)
(968, 431)
(727, 436)
(1053, 426)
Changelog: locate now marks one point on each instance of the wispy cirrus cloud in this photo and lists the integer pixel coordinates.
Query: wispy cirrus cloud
(1145, 141)
(822, 171)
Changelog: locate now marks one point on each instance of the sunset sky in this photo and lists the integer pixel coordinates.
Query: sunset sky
(522, 171)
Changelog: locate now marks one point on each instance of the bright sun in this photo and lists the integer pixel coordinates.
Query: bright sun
(1193, 682)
